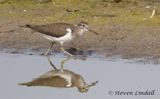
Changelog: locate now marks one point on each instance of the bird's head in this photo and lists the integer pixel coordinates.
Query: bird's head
(83, 89)
(83, 27)
(86, 87)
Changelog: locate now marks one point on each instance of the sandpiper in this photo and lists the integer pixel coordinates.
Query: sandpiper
(61, 33)
(59, 79)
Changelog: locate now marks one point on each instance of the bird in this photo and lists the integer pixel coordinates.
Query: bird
(57, 78)
(60, 33)
(61, 78)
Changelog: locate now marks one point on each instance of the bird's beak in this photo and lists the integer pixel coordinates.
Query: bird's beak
(92, 84)
(93, 31)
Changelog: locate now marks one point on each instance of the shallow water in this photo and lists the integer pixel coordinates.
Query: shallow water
(118, 75)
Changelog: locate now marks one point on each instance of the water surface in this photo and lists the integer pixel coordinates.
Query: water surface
(117, 75)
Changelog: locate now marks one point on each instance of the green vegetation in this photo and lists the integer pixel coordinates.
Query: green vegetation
(97, 12)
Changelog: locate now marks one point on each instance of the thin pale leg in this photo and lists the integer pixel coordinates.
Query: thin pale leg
(49, 48)
(62, 49)
(65, 60)
(51, 63)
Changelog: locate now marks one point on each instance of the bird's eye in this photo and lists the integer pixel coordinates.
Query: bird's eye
(83, 25)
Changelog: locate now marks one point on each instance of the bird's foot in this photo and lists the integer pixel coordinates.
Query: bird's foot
(47, 54)
(73, 57)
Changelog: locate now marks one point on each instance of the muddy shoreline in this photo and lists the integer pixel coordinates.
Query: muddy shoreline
(125, 41)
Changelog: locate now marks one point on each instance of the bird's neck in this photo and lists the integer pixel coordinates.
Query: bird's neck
(79, 32)
(80, 82)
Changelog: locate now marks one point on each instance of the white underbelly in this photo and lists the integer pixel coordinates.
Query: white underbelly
(61, 39)
(67, 77)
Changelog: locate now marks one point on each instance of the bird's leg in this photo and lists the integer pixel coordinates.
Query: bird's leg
(65, 60)
(62, 49)
(49, 48)
(46, 54)
(51, 63)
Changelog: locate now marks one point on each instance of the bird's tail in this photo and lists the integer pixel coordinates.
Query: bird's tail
(25, 84)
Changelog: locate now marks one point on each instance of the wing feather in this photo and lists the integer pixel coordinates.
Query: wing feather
(52, 81)
(54, 29)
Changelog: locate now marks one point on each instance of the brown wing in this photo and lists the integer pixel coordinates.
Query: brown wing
(47, 80)
(54, 29)
(55, 81)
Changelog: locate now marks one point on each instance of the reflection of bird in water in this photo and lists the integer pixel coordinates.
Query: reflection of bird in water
(61, 33)
(65, 79)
